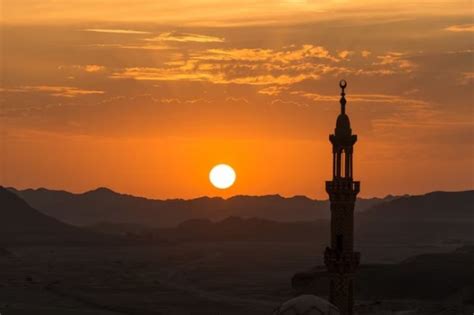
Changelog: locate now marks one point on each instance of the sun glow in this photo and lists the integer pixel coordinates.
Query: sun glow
(222, 176)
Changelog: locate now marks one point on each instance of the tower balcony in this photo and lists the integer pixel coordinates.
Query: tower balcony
(341, 262)
(342, 185)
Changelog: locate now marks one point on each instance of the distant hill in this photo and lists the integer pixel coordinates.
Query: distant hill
(436, 216)
(250, 229)
(21, 224)
(438, 205)
(410, 232)
(105, 205)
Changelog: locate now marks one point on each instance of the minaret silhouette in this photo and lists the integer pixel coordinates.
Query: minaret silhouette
(340, 259)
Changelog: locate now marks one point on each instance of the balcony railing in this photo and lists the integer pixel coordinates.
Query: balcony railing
(342, 185)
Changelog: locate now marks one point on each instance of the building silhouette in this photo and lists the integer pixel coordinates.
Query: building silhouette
(340, 259)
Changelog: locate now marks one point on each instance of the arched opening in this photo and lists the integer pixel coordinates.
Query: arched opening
(343, 163)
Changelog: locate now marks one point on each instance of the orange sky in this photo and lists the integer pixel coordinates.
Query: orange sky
(145, 98)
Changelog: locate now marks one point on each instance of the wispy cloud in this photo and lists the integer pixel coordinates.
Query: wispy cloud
(460, 28)
(131, 46)
(466, 78)
(220, 13)
(272, 90)
(62, 91)
(367, 98)
(253, 66)
(114, 31)
(365, 53)
(85, 68)
(186, 38)
(93, 68)
(241, 66)
(293, 54)
(163, 74)
(345, 54)
(397, 61)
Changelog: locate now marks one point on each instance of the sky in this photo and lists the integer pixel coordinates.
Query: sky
(145, 97)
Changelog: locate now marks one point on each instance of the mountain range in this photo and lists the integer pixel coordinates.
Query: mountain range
(433, 217)
(437, 217)
(105, 205)
(21, 224)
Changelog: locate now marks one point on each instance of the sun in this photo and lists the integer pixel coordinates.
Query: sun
(222, 176)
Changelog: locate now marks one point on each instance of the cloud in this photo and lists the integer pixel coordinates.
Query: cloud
(242, 66)
(224, 13)
(93, 68)
(114, 31)
(163, 74)
(460, 28)
(242, 54)
(255, 66)
(85, 68)
(272, 90)
(466, 78)
(344, 54)
(307, 51)
(131, 46)
(303, 52)
(61, 91)
(365, 53)
(270, 79)
(186, 38)
(367, 98)
(397, 61)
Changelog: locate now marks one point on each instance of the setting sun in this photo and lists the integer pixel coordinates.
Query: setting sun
(222, 176)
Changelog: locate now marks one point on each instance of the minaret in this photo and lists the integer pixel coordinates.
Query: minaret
(340, 258)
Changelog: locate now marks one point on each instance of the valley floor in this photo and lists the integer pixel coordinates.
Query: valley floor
(188, 278)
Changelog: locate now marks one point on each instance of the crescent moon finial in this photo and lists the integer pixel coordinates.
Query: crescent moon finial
(343, 84)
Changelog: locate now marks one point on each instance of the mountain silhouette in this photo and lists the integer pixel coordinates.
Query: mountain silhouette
(433, 217)
(439, 217)
(405, 220)
(439, 205)
(22, 224)
(105, 205)
(436, 216)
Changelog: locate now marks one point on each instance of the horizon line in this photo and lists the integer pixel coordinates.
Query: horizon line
(221, 197)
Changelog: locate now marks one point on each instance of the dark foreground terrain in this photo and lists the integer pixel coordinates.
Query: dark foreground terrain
(196, 278)
(217, 278)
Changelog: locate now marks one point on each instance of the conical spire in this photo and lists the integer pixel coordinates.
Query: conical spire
(343, 124)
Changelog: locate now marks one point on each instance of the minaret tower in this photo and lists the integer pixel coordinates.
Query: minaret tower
(340, 258)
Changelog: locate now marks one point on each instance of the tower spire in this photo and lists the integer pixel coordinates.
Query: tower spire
(342, 85)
